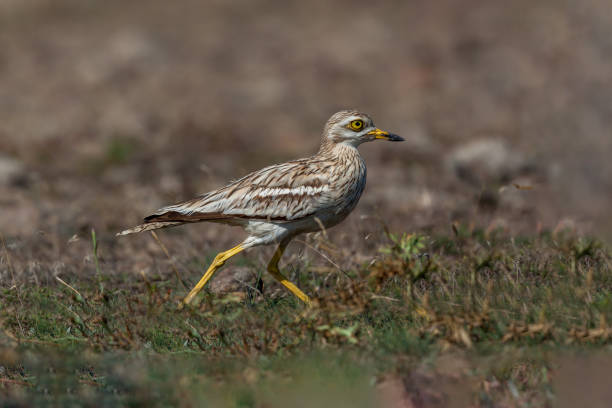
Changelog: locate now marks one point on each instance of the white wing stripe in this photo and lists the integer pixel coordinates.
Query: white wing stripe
(302, 190)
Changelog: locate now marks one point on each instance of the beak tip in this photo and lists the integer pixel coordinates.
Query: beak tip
(381, 134)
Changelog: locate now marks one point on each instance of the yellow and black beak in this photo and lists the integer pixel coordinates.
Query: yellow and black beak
(381, 134)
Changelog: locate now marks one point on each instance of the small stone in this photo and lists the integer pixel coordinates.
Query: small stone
(231, 280)
(12, 171)
(487, 161)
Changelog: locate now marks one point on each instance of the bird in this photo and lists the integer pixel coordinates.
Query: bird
(278, 202)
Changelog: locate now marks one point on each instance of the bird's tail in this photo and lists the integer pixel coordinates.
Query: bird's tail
(170, 217)
(150, 226)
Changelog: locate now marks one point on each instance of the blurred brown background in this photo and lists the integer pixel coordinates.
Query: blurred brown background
(111, 109)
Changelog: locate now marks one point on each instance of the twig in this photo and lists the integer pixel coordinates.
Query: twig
(373, 296)
(165, 251)
(10, 265)
(94, 242)
(328, 259)
(8, 259)
(9, 381)
(79, 296)
(321, 226)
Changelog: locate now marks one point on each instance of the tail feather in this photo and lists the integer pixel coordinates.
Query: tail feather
(149, 226)
(172, 219)
(175, 216)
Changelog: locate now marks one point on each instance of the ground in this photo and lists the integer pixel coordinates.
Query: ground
(475, 271)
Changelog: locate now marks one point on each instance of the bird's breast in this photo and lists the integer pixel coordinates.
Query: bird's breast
(349, 182)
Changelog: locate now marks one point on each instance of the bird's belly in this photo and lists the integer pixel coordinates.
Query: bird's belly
(263, 232)
(321, 220)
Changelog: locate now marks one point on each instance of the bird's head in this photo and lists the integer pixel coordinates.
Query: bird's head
(353, 128)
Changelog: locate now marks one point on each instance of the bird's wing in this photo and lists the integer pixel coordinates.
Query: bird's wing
(282, 192)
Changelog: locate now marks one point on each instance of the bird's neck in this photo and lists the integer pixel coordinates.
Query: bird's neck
(333, 149)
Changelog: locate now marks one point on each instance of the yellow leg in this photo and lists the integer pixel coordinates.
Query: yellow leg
(216, 264)
(273, 269)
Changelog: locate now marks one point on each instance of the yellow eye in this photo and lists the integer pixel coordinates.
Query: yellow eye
(356, 125)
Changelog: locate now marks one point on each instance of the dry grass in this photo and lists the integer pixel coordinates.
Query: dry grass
(505, 309)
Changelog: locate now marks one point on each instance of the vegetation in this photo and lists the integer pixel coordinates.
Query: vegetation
(110, 110)
(480, 312)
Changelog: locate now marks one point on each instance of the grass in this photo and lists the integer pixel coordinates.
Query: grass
(476, 314)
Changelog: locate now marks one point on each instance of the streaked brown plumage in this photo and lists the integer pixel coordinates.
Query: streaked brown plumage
(278, 202)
